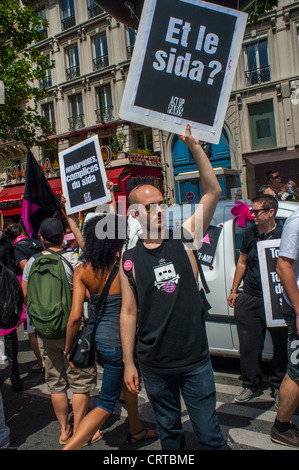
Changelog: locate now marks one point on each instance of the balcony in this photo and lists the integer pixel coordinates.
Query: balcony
(67, 23)
(94, 10)
(104, 114)
(100, 62)
(257, 76)
(45, 83)
(72, 72)
(76, 122)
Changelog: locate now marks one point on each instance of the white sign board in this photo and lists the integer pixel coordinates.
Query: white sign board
(83, 176)
(183, 66)
(268, 252)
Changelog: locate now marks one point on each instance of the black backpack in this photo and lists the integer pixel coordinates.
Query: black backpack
(11, 298)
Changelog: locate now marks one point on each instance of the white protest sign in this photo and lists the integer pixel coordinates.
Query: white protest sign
(268, 252)
(183, 66)
(83, 176)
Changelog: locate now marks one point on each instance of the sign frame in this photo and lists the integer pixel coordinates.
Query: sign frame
(261, 247)
(72, 209)
(155, 119)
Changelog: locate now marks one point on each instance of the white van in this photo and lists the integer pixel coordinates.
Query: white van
(221, 326)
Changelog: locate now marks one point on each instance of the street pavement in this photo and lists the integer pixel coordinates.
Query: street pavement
(34, 426)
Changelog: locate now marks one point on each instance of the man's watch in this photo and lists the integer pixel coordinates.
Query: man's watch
(66, 353)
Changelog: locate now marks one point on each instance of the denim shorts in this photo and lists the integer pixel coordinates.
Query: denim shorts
(293, 341)
(113, 376)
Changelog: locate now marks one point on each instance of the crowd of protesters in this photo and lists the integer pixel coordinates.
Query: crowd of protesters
(148, 330)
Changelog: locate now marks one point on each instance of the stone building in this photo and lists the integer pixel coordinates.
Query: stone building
(92, 52)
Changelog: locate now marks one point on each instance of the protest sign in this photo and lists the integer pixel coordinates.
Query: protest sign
(268, 252)
(83, 176)
(183, 66)
(209, 244)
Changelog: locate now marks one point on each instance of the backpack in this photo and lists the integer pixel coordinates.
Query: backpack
(49, 296)
(11, 298)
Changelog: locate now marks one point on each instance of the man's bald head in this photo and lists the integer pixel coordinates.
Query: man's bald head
(142, 194)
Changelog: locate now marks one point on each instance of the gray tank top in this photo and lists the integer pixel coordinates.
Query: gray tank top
(107, 327)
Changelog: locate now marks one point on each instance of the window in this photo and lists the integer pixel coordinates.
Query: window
(104, 109)
(145, 139)
(131, 38)
(262, 125)
(100, 53)
(257, 68)
(76, 118)
(67, 14)
(47, 81)
(48, 113)
(73, 69)
(42, 16)
(93, 9)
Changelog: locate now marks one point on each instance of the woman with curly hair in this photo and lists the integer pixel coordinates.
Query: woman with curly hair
(104, 237)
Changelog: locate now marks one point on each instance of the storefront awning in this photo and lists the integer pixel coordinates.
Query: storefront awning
(114, 173)
(12, 193)
(15, 192)
(274, 156)
(194, 175)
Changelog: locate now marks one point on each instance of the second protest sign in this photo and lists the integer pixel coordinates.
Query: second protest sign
(83, 176)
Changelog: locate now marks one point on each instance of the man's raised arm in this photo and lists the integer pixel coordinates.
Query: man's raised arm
(210, 186)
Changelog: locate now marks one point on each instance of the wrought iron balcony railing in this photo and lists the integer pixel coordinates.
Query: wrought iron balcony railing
(104, 114)
(72, 72)
(260, 75)
(100, 62)
(94, 10)
(68, 22)
(76, 122)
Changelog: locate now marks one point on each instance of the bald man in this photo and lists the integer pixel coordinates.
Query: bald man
(172, 346)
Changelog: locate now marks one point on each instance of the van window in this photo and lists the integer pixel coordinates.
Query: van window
(239, 232)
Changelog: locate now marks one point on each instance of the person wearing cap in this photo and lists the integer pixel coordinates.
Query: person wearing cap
(23, 248)
(59, 374)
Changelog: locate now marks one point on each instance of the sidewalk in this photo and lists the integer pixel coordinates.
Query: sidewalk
(33, 424)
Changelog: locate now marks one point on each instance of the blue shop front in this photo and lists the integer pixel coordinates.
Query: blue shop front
(187, 180)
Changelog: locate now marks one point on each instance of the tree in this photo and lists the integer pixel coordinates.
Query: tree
(258, 9)
(21, 64)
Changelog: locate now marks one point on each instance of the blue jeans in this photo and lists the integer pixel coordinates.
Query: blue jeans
(113, 376)
(198, 391)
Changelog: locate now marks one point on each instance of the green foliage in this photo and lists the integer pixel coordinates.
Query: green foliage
(258, 8)
(21, 64)
(118, 142)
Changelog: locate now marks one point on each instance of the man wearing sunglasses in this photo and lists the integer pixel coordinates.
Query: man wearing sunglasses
(249, 306)
(280, 190)
(172, 347)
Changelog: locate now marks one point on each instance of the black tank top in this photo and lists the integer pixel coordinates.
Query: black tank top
(171, 327)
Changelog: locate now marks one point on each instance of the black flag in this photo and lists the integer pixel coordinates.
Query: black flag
(40, 202)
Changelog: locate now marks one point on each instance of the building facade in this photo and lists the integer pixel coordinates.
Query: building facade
(92, 52)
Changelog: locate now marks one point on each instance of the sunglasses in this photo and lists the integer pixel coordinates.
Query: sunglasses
(153, 206)
(276, 177)
(257, 211)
